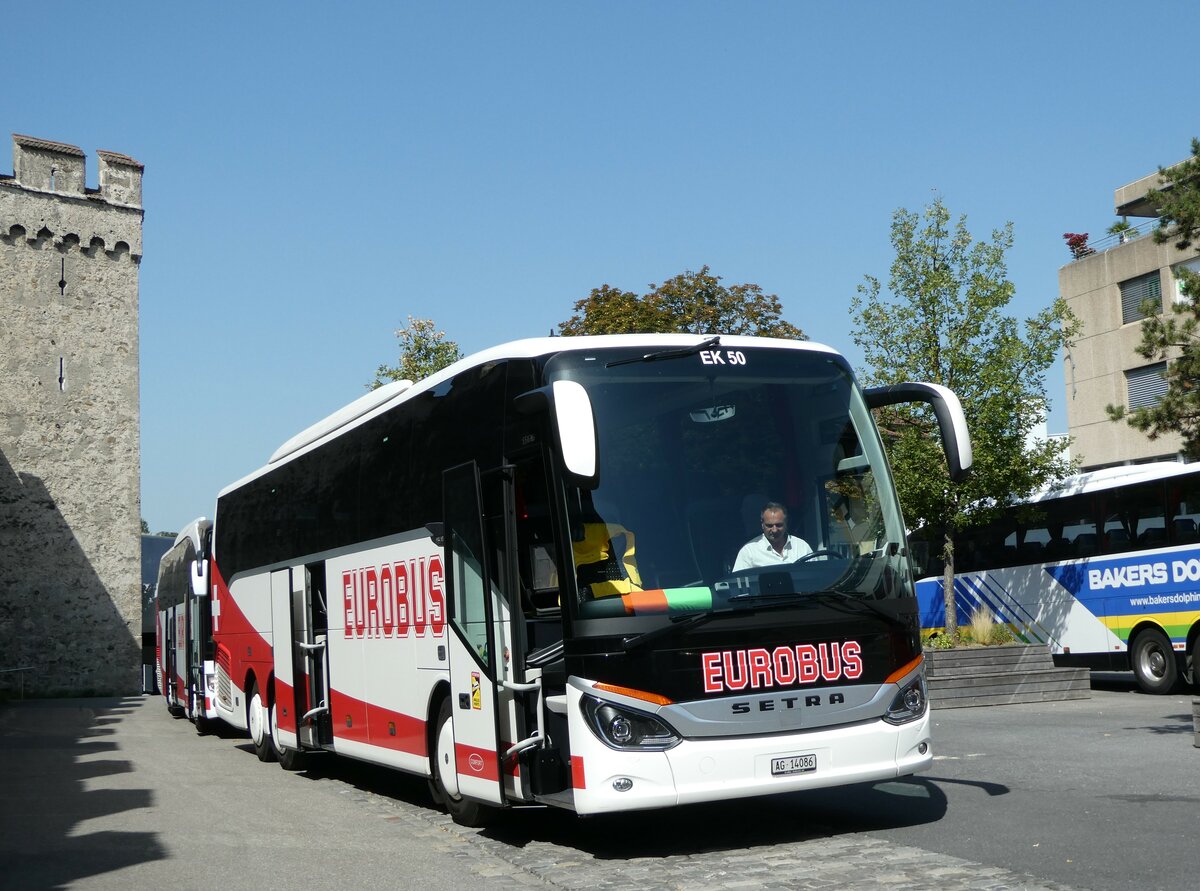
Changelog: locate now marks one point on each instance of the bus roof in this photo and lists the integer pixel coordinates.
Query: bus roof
(1113, 478)
(377, 401)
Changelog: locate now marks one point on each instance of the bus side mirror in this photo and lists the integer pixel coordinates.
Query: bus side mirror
(199, 578)
(956, 440)
(573, 426)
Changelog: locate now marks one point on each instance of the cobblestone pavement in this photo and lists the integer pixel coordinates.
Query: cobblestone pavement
(551, 849)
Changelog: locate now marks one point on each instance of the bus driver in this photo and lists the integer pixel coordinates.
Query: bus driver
(774, 546)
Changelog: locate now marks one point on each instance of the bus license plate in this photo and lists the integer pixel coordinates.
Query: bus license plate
(781, 767)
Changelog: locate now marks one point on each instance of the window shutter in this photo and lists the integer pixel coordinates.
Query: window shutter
(1136, 291)
(1147, 386)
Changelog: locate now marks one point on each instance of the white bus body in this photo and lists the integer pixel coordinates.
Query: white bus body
(515, 578)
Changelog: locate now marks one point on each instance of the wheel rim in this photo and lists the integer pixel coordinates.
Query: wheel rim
(257, 729)
(1154, 661)
(447, 768)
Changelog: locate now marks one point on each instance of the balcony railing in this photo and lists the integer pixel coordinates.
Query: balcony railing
(1141, 230)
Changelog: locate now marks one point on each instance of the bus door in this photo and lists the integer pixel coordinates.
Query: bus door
(474, 641)
(198, 632)
(301, 682)
(170, 663)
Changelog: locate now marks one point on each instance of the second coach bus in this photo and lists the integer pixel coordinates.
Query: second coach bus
(1103, 567)
(517, 578)
(183, 626)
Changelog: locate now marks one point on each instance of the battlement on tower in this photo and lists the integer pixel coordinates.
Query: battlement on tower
(47, 197)
(45, 166)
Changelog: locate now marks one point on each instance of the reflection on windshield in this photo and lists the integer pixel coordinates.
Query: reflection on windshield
(760, 475)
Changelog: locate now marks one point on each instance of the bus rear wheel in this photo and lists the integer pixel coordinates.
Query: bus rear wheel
(1153, 661)
(444, 782)
(260, 733)
(1196, 664)
(289, 759)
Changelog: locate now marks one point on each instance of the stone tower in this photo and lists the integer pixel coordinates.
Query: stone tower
(70, 499)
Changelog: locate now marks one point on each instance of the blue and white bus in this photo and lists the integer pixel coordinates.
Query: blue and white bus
(1103, 567)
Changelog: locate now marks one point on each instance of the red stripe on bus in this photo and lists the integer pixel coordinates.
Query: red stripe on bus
(285, 712)
(362, 722)
(474, 762)
(577, 778)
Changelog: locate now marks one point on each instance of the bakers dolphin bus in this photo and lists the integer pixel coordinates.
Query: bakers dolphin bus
(514, 578)
(183, 626)
(1102, 567)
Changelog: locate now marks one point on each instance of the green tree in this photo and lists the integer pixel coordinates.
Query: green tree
(943, 321)
(1175, 336)
(423, 351)
(693, 302)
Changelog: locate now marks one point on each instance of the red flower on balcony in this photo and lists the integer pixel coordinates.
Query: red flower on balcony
(1077, 243)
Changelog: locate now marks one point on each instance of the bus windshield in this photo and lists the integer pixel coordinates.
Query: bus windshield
(703, 455)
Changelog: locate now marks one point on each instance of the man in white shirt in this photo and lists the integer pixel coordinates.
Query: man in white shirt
(774, 546)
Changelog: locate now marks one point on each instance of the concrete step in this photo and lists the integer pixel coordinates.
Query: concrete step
(975, 676)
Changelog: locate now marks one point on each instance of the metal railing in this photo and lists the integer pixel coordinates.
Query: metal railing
(20, 676)
(1141, 230)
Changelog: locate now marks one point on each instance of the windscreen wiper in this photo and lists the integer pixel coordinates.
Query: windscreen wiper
(678, 625)
(668, 354)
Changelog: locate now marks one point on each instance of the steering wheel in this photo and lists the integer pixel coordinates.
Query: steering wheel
(815, 554)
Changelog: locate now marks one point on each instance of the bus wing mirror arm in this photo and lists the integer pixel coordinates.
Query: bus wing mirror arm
(956, 440)
(573, 424)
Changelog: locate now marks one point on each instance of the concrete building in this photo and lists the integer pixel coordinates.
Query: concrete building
(70, 580)
(1105, 285)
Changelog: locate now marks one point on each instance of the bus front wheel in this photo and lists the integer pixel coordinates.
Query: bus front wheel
(445, 774)
(1154, 663)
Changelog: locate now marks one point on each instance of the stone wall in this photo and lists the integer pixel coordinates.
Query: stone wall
(70, 587)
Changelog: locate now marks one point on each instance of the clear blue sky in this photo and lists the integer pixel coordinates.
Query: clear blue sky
(317, 172)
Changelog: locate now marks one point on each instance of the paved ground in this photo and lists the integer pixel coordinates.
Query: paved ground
(116, 793)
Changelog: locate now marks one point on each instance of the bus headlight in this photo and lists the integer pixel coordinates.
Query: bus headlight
(620, 727)
(910, 702)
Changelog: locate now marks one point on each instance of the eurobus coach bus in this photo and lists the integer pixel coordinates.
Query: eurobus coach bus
(183, 626)
(514, 578)
(1103, 567)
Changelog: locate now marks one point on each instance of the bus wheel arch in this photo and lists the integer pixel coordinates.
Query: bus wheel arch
(1153, 660)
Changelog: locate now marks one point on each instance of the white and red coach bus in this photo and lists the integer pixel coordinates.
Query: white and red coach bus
(183, 626)
(515, 578)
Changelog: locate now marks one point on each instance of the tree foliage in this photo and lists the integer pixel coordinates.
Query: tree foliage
(1175, 336)
(423, 351)
(943, 320)
(692, 302)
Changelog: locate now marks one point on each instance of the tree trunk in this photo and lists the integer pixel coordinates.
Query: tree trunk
(948, 588)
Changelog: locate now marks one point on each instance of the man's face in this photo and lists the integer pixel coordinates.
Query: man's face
(774, 526)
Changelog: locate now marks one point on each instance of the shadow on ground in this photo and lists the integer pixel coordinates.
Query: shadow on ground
(693, 829)
(48, 753)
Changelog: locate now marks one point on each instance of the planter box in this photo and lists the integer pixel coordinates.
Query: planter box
(972, 676)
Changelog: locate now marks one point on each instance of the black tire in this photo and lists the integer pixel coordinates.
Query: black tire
(289, 759)
(1196, 664)
(258, 721)
(1153, 661)
(462, 810)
